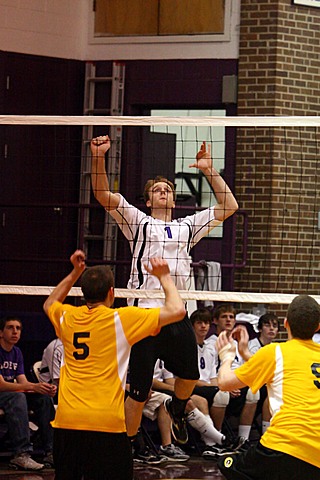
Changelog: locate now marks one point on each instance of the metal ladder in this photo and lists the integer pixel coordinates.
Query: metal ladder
(105, 243)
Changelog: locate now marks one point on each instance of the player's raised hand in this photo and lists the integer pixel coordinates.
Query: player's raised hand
(203, 157)
(100, 145)
(225, 347)
(158, 267)
(78, 260)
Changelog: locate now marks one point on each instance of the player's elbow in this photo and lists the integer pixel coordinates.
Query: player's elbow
(231, 207)
(172, 314)
(46, 305)
(181, 313)
(222, 384)
(178, 314)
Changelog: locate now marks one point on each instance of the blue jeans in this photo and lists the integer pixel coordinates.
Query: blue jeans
(15, 407)
(44, 413)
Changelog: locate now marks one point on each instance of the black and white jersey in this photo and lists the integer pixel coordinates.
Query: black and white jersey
(149, 237)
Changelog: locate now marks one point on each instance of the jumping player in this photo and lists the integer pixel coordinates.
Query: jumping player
(89, 426)
(158, 235)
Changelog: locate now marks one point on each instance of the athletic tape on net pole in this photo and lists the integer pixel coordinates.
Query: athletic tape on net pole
(220, 296)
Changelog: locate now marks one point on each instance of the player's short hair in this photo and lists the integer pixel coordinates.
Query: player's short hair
(223, 308)
(8, 318)
(152, 181)
(267, 318)
(303, 317)
(96, 282)
(202, 314)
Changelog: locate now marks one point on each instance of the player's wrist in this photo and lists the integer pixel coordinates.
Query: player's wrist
(226, 354)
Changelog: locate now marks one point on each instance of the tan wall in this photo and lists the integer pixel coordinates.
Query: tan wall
(278, 170)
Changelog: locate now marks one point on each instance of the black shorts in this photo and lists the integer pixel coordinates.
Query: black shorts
(207, 392)
(260, 463)
(87, 455)
(263, 395)
(176, 345)
(236, 404)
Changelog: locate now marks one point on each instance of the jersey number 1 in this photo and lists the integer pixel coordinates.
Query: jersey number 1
(168, 230)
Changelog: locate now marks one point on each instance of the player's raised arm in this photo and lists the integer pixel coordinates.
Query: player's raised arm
(227, 203)
(173, 309)
(62, 289)
(99, 180)
(227, 380)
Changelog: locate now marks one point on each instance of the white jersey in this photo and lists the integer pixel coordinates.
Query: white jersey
(149, 237)
(160, 373)
(238, 360)
(207, 362)
(254, 345)
(52, 359)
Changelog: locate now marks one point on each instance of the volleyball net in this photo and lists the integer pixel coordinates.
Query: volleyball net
(264, 254)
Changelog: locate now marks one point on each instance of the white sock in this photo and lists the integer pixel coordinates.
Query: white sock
(265, 425)
(203, 423)
(244, 431)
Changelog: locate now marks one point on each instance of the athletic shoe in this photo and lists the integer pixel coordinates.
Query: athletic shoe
(178, 425)
(24, 461)
(216, 451)
(173, 453)
(48, 460)
(244, 446)
(227, 448)
(147, 456)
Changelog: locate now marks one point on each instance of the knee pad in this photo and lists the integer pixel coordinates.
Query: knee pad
(138, 395)
(221, 399)
(252, 397)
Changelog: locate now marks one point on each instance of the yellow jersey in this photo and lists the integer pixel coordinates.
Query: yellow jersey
(97, 346)
(291, 371)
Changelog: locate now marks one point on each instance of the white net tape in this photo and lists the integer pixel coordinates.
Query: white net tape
(203, 295)
(281, 121)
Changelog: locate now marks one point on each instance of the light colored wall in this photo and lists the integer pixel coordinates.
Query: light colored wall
(63, 29)
(53, 28)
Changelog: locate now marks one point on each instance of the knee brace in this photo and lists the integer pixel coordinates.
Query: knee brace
(252, 397)
(221, 399)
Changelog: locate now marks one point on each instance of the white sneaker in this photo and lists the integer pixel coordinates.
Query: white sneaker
(24, 461)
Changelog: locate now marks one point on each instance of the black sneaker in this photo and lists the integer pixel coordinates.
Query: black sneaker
(48, 460)
(147, 456)
(216, 451)
(179, 424)
(238, 444)
(244, 446)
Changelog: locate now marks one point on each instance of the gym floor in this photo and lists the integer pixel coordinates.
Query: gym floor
(195, 468)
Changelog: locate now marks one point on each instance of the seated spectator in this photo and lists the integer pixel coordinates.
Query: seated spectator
(15, 403)
(268, 326)
(207, 385)
(243, 402)
(154, 410)
(51, 362)
(197, 408)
